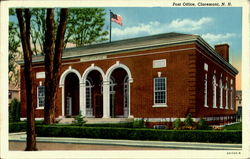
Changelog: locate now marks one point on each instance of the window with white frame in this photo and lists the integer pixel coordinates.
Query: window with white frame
(214, 91)
(88, 94)
(231, 96)
(40, 96)
(221, 94)
(226, 88)
(112, 84)
(125, 92)
(160, 91)
(205, 91)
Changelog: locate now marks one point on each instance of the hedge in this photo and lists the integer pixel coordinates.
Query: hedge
(17, 127)
(20, 126)
(215, 136)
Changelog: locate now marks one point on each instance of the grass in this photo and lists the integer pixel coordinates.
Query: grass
(237, 126)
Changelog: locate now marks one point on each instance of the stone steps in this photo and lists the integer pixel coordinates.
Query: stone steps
(98, 120)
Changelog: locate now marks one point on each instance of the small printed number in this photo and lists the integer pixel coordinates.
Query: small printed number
(233, 153)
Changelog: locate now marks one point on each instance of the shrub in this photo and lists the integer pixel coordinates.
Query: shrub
(79, 120)
(14, 111)
(139, 123)
(202, 125)
(20, 126)
(17, 127)
(177, 124)
(230, 136)
(189, 121)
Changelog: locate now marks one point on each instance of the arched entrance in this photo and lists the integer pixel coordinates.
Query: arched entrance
(117, 102)
(93, 94)
(71, 95)
(119, 93)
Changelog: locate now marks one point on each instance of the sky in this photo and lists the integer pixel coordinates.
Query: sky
(215, 25)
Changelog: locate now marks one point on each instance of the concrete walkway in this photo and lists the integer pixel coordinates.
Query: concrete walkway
(21, 137)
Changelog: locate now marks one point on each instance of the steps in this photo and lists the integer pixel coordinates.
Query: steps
(97, 120)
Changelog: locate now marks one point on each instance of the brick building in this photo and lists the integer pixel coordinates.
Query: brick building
(158, 78)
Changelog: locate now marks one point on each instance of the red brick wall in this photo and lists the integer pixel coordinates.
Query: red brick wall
(184, 73)
(212, 65)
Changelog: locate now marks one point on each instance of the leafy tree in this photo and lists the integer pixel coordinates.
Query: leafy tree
(14, 53)
(85, 26)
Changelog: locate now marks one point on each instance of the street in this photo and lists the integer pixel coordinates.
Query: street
(17, 142)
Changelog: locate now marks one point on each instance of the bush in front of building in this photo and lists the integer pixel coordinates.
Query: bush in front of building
(202, 125)
(177, 124)
(189, 121)
(230, 136)
(20, 126)
(14, 111)
(79, 120)
(139, 123)
(17, 127)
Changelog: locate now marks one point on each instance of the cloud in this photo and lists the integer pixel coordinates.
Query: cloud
(155, 27)
(149, 28)
(218, 38)
(188, 25)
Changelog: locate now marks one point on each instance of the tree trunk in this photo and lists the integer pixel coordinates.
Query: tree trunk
(28, 75)
(53, 55)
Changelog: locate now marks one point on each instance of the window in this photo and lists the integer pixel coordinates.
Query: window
(160, 91)
(231, 96)
(214, 91)
(125, 92)
(221, 94)
(40, 96)
(10, 95)
(205, 91)
(226, 88)
(112, 84)
(88, 94)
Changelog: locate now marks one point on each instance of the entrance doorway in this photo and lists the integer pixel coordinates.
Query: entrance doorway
(119, 93)
(71, 95)
(94, 97)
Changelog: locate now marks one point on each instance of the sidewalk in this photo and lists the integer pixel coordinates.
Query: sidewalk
(21, 137)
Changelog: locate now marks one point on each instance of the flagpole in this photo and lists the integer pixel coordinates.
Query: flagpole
(110, 26)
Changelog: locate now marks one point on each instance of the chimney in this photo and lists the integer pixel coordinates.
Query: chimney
(223, 50)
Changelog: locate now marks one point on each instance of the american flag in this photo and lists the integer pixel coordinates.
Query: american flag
(116, 18)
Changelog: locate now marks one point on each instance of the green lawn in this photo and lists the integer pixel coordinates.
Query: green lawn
(237, 126)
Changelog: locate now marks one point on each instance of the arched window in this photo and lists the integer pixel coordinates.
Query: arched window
(221, 94)
(88, 94)
(231, 95)
(112, 84)
(226, 88)
(205, 91)
(214, 91)
(125, 92)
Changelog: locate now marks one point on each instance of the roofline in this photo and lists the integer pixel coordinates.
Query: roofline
(192, 38)
(212, 50)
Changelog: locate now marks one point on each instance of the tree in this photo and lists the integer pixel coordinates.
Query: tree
(53, 49)
(84, 27)
(24, 25)
(14, 53)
